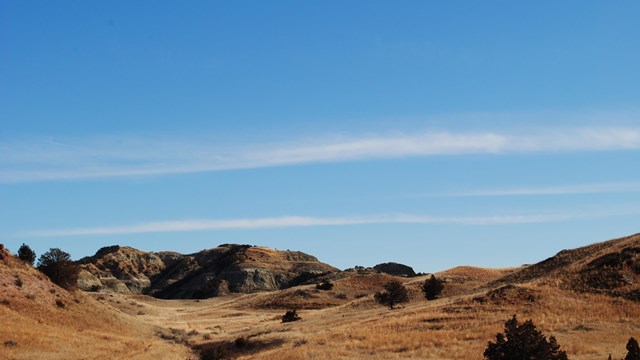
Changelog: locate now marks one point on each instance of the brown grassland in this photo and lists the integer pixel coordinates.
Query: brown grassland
(344, 322)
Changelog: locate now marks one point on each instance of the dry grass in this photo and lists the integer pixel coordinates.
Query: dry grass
(80, 328)
(343, 323)
(587, 326)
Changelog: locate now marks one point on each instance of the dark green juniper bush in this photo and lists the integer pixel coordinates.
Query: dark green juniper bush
(432, 287)
(57, 265)
(523, 341)
(394, 293)
(26, 254)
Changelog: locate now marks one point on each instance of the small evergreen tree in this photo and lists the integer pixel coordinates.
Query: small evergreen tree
(633, 350)
(291, 315)
(523, 341)
(394, 293)
(26, 254)
(432, 287)
(57, 265)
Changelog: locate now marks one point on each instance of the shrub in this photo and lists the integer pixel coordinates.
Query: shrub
(291, 315)
(57, 265)
(26, 254)
(633, 350)
(394, 293)
(212, 353)
(523, 341)
(241, 342)
(325, 285)
(432, 287)
(18, 282)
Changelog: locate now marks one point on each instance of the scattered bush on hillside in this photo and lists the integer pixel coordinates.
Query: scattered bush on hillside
(523, 341)
(432, 287)
(325, 285)
(633, 350)
(26, 254)
(291, 315)
(57, 265)
(18, 282)
(394, 293)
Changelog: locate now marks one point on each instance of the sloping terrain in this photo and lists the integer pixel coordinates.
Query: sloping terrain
(39, 320)
(611, 267)
(213, 272)
(587, 326)
(346, 323)
(342, 321)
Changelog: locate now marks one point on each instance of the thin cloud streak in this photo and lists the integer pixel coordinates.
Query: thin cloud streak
(109, 158)
(303, 221)
(606, 188)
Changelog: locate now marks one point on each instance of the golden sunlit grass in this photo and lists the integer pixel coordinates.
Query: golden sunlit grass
(44, 321)
(587, 326)
(343, 323)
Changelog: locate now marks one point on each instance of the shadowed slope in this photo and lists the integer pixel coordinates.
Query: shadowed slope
(611, 267)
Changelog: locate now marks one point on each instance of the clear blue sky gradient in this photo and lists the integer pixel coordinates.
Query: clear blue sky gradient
(430, 133)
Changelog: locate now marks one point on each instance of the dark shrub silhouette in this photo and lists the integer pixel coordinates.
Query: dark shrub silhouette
(394, 293)
(523, 341)
(26, 254)
(212, 353)
(633, 350)
(242, 342)
(57, 265)
(325, 285)
(432, 287)
(291, 315)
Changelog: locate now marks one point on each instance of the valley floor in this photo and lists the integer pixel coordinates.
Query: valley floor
(587, 326)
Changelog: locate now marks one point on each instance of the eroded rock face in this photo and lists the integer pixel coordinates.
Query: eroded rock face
(212, 272)
(119, 269)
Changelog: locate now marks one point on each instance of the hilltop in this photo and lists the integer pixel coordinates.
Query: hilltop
(225, 269)
(611, 267)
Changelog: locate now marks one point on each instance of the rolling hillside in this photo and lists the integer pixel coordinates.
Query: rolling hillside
(583, 297)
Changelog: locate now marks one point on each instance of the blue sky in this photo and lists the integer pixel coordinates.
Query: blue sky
(434, 134)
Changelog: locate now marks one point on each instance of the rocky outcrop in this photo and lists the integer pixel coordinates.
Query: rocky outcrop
(221, 270)
(119, 268)
(392, 268)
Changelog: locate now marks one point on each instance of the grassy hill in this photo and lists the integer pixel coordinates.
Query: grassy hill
(40, 320)
(581, 296)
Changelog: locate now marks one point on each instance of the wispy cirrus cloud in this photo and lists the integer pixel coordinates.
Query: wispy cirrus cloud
(305, 221)
(604, 188)
(51, 159)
